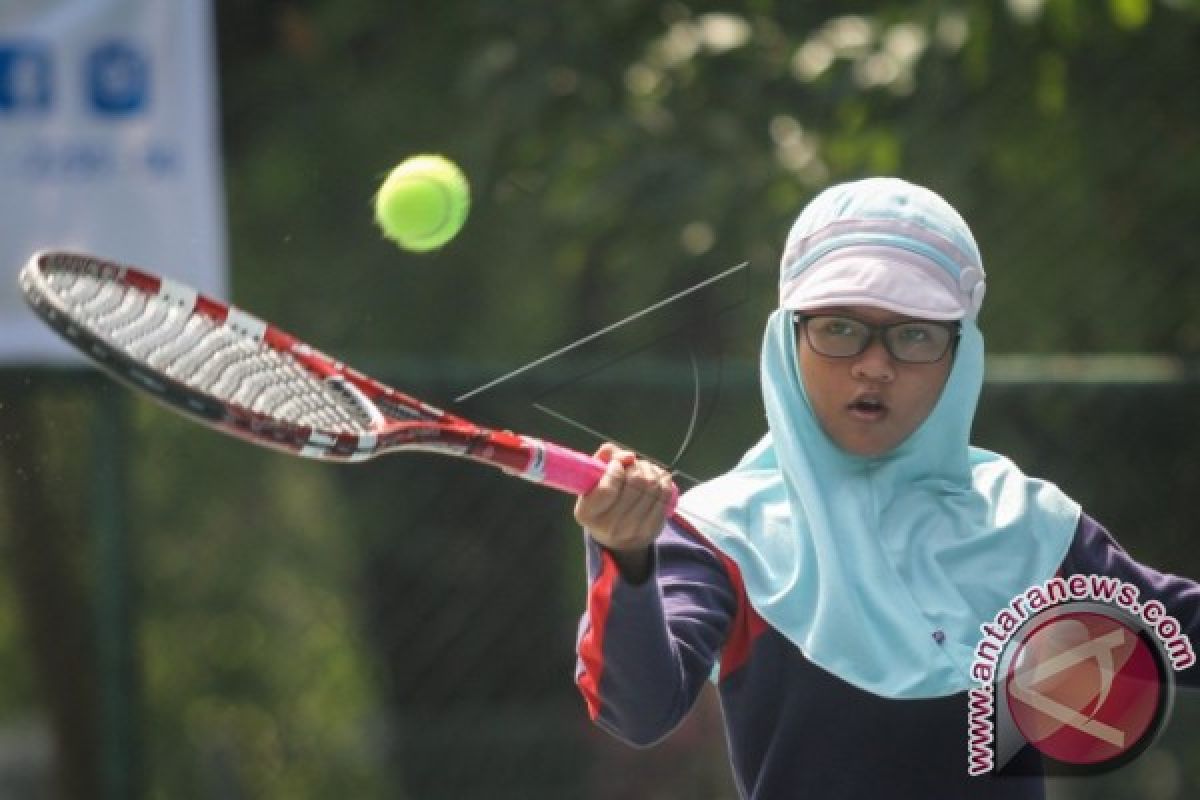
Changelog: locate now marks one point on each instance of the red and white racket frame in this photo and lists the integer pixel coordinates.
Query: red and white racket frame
(399, 421)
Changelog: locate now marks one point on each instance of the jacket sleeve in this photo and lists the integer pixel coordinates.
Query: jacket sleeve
(1095, 552)
(645, 650)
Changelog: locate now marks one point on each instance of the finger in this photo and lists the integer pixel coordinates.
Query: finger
(617, 453)
(646, 477)
(639, 523)
(668, 495)
(658, 493)
(593, 507)
(642, 478)
(605, 452)
(619, 525)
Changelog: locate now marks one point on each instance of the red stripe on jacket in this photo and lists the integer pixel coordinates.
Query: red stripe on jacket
(591, 645)
(745, 628)
(747, 625)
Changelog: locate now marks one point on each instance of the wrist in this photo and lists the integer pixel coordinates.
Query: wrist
(635, 565)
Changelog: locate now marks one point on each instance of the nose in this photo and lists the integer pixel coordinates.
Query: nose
(874, 364)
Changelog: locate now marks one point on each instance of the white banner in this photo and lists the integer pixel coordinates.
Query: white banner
(108, 144)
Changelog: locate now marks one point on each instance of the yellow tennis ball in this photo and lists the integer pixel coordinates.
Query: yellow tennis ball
(423, 203)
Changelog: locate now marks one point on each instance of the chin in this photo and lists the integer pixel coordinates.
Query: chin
(867, 449)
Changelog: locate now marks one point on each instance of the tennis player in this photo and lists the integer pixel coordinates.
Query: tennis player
(835, 580)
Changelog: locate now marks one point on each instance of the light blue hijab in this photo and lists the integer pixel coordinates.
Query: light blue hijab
(881, 570)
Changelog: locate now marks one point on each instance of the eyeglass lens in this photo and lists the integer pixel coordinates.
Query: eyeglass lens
(841, 337)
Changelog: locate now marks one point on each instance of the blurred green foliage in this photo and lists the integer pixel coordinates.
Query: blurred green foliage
(404, 628)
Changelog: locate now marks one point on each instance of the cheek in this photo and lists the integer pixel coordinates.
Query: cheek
(821, 380)
(814, 374)
(927, 390)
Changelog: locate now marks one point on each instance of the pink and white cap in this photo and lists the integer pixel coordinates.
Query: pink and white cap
(886, 243)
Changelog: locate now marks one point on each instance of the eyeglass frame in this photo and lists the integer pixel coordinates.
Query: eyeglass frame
(800, 319)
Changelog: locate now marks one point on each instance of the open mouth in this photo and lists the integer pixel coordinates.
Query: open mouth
(868, 408)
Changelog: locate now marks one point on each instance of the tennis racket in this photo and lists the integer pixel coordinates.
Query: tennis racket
(228, 369)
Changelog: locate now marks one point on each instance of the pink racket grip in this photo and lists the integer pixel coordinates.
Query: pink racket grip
(566, 470)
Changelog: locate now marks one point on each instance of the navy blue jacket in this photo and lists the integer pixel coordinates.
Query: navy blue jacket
(793, 729)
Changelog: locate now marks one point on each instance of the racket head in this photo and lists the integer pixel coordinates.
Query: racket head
(226, 368)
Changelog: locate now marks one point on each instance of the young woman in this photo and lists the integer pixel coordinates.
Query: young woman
(834, 582)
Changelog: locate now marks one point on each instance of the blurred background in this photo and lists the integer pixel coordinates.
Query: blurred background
(185, 616)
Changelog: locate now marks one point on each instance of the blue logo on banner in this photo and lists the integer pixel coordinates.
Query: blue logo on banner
(117, 78)
(26, 78)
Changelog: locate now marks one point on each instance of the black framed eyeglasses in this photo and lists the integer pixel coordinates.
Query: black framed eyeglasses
(912, 342)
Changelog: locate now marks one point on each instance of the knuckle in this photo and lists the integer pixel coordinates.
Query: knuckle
(585, 516)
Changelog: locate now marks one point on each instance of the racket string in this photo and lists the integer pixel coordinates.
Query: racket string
(275, 397)
(111, 317)
(236, 363)
(205, 355)
(171, 352)
(77, 291)
(253, 386)
(209, 340)
(153, 316)
(151, 341)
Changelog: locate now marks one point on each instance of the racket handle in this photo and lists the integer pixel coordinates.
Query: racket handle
(567, 470)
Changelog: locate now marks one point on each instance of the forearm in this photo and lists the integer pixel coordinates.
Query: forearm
(645, 649)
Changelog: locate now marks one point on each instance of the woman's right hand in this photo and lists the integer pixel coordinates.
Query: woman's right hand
(627, 509)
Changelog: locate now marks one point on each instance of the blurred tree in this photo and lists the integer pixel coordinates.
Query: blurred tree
(45, 542)
(619, 152)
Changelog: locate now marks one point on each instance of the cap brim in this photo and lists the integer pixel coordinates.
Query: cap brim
(894, 282)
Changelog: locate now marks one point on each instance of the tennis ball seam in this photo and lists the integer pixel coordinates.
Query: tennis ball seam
(449, 204)
(448, 197)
